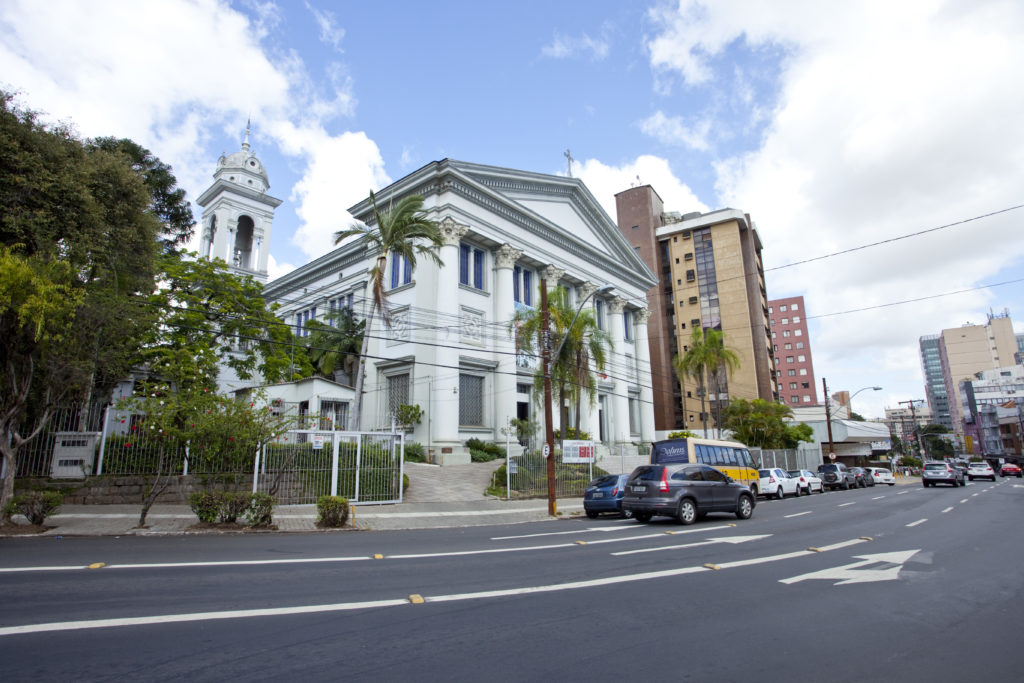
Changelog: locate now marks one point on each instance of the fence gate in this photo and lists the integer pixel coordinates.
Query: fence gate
(304, 464)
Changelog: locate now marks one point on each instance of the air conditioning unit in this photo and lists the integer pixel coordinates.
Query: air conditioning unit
(73, 454)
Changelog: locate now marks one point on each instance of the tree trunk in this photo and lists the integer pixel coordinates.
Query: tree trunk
(356, 418)
(703, 411)
(7, 492)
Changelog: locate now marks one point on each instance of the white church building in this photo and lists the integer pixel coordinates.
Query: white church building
(449, 349)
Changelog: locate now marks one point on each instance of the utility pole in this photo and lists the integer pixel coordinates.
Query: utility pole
(913, 423)
(828, 417)
(549, 429)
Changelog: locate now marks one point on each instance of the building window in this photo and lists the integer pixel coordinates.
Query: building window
(599, 308)
(627, 325)
(789, 359)
(807, 399)
(691, 275)
(801, 358)
(772, 323)
(782, 308)
(401, 270)
(788, 346)
(803, 371)
(522, 286)
(785, 321)
(791, 373)
(301, 318)
(785, 333)
(634, 416)
(799, 345)
(794, 399)
(795, 307)
(805, 385)
(773, 334)
(792, 385)
(796, 319)
(336, 305)
(398, 393)
(688, 256)
(471, 266)
(798, 333)
(471, 400)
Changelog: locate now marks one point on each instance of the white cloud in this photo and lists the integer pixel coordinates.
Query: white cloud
(672, 130)
(604, 182)
(565, 47)
(330, 33)
(889, 120)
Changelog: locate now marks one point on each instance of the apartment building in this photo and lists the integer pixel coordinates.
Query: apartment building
(791, 345)
(710, 276)
(934, 382)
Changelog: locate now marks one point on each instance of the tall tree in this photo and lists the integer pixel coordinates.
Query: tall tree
(335, 346)
(763, 424)
(723, 363)
(585, 350)
(402, 231)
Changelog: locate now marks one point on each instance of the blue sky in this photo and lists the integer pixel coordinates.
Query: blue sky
(833, 125)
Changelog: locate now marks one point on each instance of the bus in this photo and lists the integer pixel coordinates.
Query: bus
(730, 457)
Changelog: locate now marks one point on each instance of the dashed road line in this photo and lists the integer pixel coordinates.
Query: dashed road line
(900, 493)
(920, 521)
(842, 505)
(878, 498)
(798, 514)
(948, 509)
(963, 501)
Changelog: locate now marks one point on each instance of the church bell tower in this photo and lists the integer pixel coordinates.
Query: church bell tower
(238, 214)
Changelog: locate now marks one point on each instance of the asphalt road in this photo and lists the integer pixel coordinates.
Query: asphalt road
(901, 583)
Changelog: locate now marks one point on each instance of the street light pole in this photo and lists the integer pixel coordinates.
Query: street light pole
(549, 429)
(828, 415)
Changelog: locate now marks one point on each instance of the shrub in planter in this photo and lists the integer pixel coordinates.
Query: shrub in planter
(37, 505)
(332, 511)
(414, 452)
(233, 505)
(206, 505)
(261, 509)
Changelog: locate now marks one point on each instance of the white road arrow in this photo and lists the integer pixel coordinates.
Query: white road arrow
(710, 541)
(852, 573)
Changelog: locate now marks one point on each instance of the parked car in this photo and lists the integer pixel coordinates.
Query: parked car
(776, 483)
(943, 473)
(1010, 469)
(881, 475)
(836, 476)
(980, 470)
(862, 477)
(685, 492)
(604, 494)
(808, 482)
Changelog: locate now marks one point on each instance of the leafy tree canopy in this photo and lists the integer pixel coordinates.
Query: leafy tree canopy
(761, 424)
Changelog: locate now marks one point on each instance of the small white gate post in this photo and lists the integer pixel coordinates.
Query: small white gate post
(334, 464)
(256, 471)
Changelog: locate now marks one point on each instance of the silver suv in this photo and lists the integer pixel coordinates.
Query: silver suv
(941, 473)
(836, 476)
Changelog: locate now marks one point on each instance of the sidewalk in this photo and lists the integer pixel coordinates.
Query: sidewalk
(120, 520)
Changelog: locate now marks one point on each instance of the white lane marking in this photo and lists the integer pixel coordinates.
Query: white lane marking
(797, 514)
(599, 528)
(902, 492)
(973, 495)
(710, 541)
(338, 607)
(920, 521)
(878, 498)
(842, 505)
(948, 509)
(852, 573)
(211, 563)
(964, 500)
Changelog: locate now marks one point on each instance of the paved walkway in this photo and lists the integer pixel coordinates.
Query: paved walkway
(453, 483)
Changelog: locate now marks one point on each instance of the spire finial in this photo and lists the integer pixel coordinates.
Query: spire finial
(245, 143)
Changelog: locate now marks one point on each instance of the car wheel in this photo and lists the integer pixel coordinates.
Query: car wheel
(642, 517)
(591, 514)
(626, 514)
(753, 490)
(892, 484)
(970, 478)
(821, 489)
(925, 484)
(779, 493)
(744, 508)
(846, 486)
(687, 512)
(963, 483)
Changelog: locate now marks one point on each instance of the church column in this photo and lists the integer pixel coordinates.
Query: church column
(445, 421)
(588, 412)
(643, 366)
(620, 399)
(504, 310)
(551, 275)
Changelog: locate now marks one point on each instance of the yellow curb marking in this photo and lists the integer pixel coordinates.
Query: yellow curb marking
(731, 524)
(97, 565)
(866, 538)
(378, 556)
(581, 542)
(814, 550)
(416, 599)
(712, 565)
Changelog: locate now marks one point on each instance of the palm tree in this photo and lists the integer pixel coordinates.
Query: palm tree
(585, 349)
(336, 346)
(724, 363)
(402, 231)
(703, 361)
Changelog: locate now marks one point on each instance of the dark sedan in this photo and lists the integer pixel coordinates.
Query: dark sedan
(863, 477)
(604, 494)
(685, 492)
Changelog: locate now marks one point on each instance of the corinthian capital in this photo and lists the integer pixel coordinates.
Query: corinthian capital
(616, 305)
(641, 316)
(552, 274)
(506, 256)
(451, 232)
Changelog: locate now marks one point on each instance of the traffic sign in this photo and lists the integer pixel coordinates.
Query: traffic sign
(546, 450)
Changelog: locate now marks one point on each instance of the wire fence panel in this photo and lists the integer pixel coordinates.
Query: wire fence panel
(528, 476)
(68, 447)
(304, 465)
(787, 459)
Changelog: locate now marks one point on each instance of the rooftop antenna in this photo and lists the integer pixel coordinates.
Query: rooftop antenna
(568, 156)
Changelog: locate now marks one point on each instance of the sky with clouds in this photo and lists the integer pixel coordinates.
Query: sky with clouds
(834, 125)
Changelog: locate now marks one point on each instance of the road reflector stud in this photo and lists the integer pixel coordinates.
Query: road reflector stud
(731, 524)
(378, 556)
(670, 533)
(581, 542)
(97, 565)
(416, 599)
(866, 538)
(814, 550)
(712, 565)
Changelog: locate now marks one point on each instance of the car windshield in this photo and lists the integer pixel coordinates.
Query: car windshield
(935, 466)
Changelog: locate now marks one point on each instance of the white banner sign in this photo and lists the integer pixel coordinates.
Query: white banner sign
(577, 451)
(318, 442)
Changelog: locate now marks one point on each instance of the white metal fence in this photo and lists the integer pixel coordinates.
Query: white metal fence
(364, 467)
(787, 459)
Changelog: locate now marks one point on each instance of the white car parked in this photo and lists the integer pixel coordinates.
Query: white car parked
(776, 483)
(808, 482)
(881, 475)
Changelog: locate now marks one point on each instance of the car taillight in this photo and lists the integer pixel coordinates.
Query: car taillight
(663, 486)
(615, 491)
(801, 478)
(771, 479)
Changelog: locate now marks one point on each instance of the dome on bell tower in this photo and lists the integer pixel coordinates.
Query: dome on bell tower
(243, 168)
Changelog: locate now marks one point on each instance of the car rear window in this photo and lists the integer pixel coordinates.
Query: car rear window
(607, 480)
(647, 473)
(763, 473)
(829, 468)
(935, 466)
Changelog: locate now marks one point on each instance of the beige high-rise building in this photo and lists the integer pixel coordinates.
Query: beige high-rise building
(711, 276)
(963, 351)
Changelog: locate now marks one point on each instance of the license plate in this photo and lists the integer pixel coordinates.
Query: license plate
(638, 489)
(599, 495)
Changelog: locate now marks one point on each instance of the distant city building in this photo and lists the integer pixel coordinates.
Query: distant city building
(991, 415)
(794, 369)
(934, 382)
(903, 422)
(710, 276)
(965, 351)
